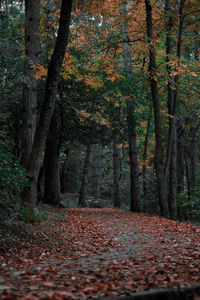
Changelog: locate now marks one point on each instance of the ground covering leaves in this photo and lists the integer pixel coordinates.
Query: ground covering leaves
(89, 253)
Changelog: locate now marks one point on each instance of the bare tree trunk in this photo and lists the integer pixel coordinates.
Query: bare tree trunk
(30, 194)
(7, 13)
(40, 184)
(32, 50)
(170, 86)
(188, 178)
(117, 165)
(171, 157)
(134, 172)
(64, 172)
(50, 29)
(194, 153)
(84, 177)
(157, 117)
(52, 181)
(145, 150)
(195, 162)
(173, 179)
(180, 130)
(180, 155)
(96, 164)
(71, 170)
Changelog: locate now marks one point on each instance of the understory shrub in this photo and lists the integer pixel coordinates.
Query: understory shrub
(12, 180)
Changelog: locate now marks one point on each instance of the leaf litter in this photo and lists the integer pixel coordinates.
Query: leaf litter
(90, 253)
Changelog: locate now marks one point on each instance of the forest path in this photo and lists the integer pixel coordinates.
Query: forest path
(92, 252)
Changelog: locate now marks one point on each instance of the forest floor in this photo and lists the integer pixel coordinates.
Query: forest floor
(89, 253)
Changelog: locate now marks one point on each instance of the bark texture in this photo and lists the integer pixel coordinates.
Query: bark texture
(96, 165)
(51, 164)
(171, 157)
(145, 150)
(117, 166)
(180, 130)
(180, 154)
(84, 177)
(161, 189)
(30, 194)
(71, 170)
(32, 50)
(134, 172)
(194, 156)
(173, 179)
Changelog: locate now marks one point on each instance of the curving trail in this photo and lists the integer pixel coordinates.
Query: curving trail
(91, 253)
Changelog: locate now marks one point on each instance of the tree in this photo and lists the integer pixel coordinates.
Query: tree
(131, 121)
(171, 156)
(82, 201)
(51, 165)
(117, 166)
(161, 188)
(30, 194)
(32, 51)
(117, 57)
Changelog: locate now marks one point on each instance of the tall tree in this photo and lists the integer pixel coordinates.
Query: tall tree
(180, 129)
(171, 157)
(32, 50)
(51, 165)
(82, 201)
(161, 188)
(117, 165)
(30, 194)
(96, 168)
(131, 120)
(144, 168)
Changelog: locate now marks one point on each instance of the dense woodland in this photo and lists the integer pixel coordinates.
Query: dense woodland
(100, 98)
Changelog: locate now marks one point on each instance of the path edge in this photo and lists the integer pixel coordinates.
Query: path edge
(185, 293)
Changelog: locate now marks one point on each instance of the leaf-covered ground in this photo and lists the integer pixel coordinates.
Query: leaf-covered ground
(90, 253)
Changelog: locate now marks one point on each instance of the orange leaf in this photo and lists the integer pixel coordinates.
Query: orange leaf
(48, 283)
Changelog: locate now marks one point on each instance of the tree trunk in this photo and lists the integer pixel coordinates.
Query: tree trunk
(145, 150)
(188, 178)
(64, 171)
(40, 184)
(52, 181)
(32, 50)
(96, 164)
(173, 179)
(30, 194)
(180, 130)
(180, 155)
(134, 173)
(84, 177)
(7, 13)
(71, 170)
(171, 157)
(194, 152)
(170, 85)
(157, 117)
(117, 165)
(195, 162)
(50, 29)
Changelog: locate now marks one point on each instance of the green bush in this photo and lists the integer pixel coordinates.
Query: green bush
(12, 179)
(189, 209)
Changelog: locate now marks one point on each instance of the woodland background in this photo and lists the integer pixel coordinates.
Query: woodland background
(115, 116)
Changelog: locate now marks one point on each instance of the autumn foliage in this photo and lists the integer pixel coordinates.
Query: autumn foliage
(149, 110)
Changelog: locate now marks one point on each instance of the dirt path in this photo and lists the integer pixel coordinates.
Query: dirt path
(101, 252)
